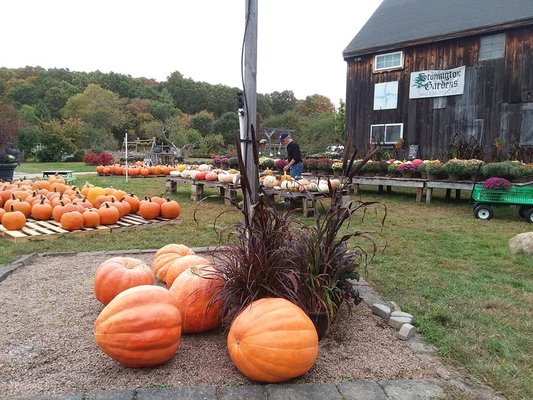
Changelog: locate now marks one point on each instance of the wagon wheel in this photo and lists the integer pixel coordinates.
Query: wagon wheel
(529, 215)
(522, 211)
(483, 211)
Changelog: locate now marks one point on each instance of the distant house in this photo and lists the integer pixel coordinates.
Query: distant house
(429, 70)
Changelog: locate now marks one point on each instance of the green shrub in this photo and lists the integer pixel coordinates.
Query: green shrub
(498, 169)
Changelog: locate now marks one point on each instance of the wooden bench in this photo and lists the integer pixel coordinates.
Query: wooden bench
(68, 175)
(390, 182)
(226, 190)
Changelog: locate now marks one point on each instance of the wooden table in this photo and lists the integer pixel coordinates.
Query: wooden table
(449, 186)
(227, 190)
(389, 182)
(309, 199)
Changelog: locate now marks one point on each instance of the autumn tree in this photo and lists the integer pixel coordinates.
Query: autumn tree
(9, 125)
(315, 104)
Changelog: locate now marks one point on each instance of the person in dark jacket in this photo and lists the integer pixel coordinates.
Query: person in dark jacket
(294, 155)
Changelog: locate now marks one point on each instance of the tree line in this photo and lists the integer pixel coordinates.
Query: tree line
(57, 113)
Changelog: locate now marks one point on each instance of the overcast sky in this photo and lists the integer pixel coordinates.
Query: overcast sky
(300, 42)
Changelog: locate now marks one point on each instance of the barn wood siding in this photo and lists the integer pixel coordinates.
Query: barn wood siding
(494, 93)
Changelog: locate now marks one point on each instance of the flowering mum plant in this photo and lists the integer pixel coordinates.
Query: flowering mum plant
(280, 163)
(496, 183)
(336, 165)
(408, 166)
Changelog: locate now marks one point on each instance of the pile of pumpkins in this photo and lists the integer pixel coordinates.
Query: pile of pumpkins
(286, 182)
(206, 172)
(86, 207)
(272, 340)
(137, 169)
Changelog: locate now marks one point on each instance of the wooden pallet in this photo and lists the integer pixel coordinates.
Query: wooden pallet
(47, 230)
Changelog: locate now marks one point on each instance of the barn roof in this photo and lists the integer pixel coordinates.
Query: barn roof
(400, 23)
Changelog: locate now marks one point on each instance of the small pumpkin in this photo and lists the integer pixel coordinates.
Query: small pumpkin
(149, 209)
(91, 218)
(170, 209)
(108, 215)
(273, 340)
(194, 289)
(13, 220)
(117, 274)
(71, 221)
(140, 327)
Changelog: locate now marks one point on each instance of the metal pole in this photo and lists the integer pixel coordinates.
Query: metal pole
(250, 99)
(126, 143)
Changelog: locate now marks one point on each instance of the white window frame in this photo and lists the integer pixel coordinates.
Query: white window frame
(487, 51)
(385, 126)
(383, 92)
(399, 66)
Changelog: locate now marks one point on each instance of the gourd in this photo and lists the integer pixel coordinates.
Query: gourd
(140, 327)
(194, 289)
(117, 274)
(273, 340)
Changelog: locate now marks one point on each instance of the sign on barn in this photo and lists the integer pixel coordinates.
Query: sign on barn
(437, 83)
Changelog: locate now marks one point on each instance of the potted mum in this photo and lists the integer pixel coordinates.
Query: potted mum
(408, 169)
(392, 168)
(280, 163)
(337, 168)
(434, 170)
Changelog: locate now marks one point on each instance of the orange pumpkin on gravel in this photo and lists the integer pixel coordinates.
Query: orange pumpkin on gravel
(177, 266)
(193, 289)
(117, 274)
(165, 256)
(273, 340)
(140, 327)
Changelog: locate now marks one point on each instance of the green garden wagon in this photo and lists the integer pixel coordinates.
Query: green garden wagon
(521, 196)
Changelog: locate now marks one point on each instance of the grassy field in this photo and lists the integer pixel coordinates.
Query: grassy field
(470, 297)
(35, 168)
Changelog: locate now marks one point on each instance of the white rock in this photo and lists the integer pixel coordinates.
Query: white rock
(397, 322)
(400, 314)
(381, 310)
(393, 306)
(406, 332)
(522, 243)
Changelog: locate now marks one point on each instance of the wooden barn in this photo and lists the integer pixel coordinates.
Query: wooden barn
(434, 72)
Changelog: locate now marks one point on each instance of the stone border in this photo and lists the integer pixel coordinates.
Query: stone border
(429, 388)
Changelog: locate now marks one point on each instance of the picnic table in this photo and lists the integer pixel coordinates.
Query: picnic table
(226, 190)
(68, 175)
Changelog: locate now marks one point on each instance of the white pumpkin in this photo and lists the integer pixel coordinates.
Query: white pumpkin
(204, 167)
(186, 173)
(284, 184)
(222, 177)
(335, 183)
(323, 186)
(175, 173)
(236, 179)
(270, 181)
(192, 173)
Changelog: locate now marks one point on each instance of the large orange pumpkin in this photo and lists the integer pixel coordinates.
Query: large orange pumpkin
(273, 340)
(165, 255)
(193, 290)
(13, 220)
(71, 220)
(117, 274)
(140, 327)
(176, 267)
(170, 209)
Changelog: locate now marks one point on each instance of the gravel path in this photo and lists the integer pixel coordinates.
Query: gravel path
(47, 346)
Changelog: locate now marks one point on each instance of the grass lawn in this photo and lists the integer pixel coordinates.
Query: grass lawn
(470, 297)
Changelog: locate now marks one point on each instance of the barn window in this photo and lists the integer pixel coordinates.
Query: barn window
(388, 61)
(491, 47)
(386, 95)
(386, 133)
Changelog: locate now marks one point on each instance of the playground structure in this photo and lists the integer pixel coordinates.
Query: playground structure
(155, 152)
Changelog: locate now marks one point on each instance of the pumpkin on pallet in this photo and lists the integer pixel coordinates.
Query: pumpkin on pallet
(140, 327)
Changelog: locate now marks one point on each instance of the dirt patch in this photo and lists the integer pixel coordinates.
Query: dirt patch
(47, 345)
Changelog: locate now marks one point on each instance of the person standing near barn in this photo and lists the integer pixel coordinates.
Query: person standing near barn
(294, 155)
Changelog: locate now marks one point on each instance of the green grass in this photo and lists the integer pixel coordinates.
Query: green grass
(35, 168)
(470, 297)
